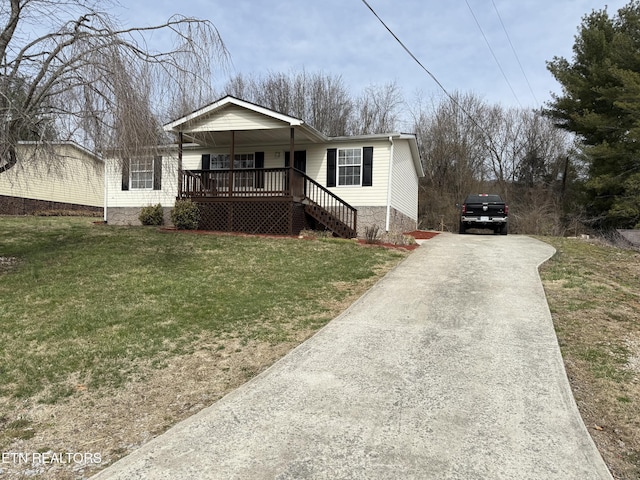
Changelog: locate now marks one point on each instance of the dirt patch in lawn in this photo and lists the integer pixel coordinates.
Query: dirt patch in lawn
(111, 424)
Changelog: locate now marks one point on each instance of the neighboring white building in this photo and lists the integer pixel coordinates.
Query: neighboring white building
(338, 182)
(59, 176)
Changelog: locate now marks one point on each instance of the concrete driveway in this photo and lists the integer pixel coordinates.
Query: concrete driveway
(448, 368)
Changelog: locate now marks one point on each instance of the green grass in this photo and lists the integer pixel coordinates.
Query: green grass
(88, 304)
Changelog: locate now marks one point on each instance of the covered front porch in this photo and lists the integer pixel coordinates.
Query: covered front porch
(233, 189)
(277, 201)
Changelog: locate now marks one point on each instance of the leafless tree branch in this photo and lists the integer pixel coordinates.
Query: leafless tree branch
(92, 81)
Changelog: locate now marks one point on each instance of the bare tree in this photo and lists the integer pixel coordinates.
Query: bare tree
(93, 81)
(377, 110)
(323, 101)
(453, 156)
(467, 145)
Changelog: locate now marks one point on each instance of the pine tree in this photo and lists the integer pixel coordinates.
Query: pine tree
(600, 103)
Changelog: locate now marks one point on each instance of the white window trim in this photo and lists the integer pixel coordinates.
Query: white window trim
(361, 165)
(131, 172)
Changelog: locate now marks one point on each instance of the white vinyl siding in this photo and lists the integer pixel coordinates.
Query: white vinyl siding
(356, 195)
(236, 118)
(69, 174)
(140, 197)
(404, 184)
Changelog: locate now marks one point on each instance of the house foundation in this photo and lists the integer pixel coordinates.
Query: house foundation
(29, 206)
(129, 215)
(377, 216)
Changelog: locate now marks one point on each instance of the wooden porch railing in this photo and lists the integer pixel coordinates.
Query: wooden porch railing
(272, 182)
(345, 217)
(258, 182)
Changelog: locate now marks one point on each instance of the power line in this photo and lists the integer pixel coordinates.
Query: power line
(452, 98)
(493, 53)
(515, 53)
(406, 49)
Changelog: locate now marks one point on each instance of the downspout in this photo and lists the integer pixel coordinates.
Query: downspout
(388, 220)
(106, 191)
(180, 172)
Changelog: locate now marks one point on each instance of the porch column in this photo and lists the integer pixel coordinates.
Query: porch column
(291, 157)
(232, 159)
(180, 173)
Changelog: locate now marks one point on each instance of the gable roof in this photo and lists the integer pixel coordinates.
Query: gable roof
(233, 114)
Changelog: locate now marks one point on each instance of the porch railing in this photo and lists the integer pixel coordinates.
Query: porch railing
(317, 195)
(257, 182)
(267, 182)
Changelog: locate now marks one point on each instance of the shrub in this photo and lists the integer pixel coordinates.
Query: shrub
(185, 215)
(151, 215)
(371, 234)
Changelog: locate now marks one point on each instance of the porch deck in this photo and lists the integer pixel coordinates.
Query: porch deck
(266, 200)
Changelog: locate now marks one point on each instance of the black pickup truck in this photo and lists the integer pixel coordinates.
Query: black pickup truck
(484, 210)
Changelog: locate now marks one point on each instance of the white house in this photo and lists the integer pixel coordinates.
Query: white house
(343, 184)
(58, 176)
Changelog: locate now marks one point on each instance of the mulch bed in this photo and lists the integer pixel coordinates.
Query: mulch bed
(417, 234)
(421, 234)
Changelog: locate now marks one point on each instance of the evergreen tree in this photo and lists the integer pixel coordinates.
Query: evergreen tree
(600, 102)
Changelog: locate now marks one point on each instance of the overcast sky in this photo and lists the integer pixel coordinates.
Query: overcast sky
(453, 39)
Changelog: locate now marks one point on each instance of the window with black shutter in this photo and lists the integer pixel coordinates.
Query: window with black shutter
(332, 155)
(157, 173)
(125, 173)
(367, 166)
(259, 163)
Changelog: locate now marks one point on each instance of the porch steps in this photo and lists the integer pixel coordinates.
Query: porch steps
(330, 221)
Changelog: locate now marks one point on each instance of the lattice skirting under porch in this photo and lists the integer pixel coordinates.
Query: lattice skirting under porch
(263, 216)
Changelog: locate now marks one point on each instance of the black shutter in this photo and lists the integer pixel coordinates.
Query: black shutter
(367, 166)
(286, 159)
(259, 163)
(125, 173)
(206, 162)
(157, 173)
(332, 155)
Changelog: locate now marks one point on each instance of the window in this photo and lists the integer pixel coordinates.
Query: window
(242, 161)
(349, 166)
(219, 162)
(142, 173)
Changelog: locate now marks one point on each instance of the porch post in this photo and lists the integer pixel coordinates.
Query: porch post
(232, 159)
(291, 179)
(180, 173)
(291, 157)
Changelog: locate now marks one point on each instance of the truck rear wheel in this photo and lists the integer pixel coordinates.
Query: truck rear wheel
(504, 229)
(462, 229)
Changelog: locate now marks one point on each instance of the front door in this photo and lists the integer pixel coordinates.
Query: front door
(299, 160)
(299, 163)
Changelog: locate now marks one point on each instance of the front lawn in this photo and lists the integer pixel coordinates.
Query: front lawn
(92, 313)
